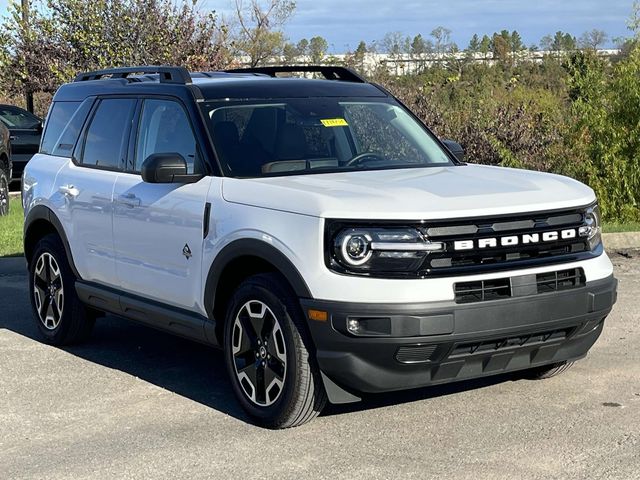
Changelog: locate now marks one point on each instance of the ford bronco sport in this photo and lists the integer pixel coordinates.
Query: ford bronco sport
(313, 228)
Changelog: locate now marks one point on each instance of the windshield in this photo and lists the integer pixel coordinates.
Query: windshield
(318, 135)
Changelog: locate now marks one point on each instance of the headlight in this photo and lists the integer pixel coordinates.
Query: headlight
(380, 250)
(592, 228)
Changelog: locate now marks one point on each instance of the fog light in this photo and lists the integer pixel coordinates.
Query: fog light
(369, 326)
(353, 325)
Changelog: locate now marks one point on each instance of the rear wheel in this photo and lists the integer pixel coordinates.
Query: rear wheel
(4, 193)
(268, 353)
(61, 317)
(548, 371)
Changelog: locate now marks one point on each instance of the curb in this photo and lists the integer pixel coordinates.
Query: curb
(621, 240)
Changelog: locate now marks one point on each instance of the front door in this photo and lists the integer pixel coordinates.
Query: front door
(158, 228)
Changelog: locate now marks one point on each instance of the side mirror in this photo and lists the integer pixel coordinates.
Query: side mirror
(455, 148)
(167, 168)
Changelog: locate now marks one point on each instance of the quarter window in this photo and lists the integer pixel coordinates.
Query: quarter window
(58, 118)
(165, 128)
(107, 136)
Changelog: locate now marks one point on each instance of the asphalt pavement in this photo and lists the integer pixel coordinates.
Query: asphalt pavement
(137, 403)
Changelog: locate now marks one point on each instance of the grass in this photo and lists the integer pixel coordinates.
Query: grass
(11, 230)
(621, 227)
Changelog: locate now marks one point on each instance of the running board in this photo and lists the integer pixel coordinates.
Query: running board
(183, 323)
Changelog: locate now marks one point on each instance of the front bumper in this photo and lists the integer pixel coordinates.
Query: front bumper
(448, 342)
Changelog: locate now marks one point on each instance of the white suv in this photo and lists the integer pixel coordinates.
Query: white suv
(311, 227)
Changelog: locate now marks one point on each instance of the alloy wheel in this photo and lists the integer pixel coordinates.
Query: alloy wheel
(259, 353)
(48, 291)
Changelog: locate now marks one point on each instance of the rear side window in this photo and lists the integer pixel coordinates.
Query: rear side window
(107, 135)
(58, 118)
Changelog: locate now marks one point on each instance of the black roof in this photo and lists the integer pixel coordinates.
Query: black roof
(259, 83)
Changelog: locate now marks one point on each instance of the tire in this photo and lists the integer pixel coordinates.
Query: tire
(60, 316)
(269, 354)
(4, 193)
(548, 371)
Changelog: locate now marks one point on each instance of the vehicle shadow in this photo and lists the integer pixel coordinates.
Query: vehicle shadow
(187, 368)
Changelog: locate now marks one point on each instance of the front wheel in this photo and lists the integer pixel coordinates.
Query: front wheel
(548, 371)
(268, 354)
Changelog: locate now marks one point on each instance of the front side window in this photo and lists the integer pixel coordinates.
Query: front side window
(165, 128)
(318, 135)
(107, 135)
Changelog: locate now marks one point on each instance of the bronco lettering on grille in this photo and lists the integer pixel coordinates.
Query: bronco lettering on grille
(513, 240)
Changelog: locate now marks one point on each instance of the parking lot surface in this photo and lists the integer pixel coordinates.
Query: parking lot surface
(137, 403)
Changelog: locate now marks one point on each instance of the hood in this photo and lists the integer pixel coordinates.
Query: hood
(411, 194)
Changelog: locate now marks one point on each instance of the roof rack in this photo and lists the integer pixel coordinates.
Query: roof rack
(177, 75)
(343, 74)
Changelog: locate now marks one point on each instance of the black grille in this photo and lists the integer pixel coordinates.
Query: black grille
(494, 258)
(496, 289)
(506, 343)
(415, 353)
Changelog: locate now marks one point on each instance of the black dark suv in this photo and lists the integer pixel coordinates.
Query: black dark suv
(25, 130)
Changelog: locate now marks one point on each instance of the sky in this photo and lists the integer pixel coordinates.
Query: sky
(345, 22)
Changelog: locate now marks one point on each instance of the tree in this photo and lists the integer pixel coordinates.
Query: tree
(68, 36)
(633, 23)
(419, 47)
(442, 37)
(501, 48)
(303, 47)
(560, 42)
(357, 58)
(359, 55)
(563, 42)
(485, 45)
(290, 53)
(546, 42)
(258, 36)
(516, 43)
(318, 47)
(593, 39)
(601, 110)
(474, 44)
(396, 44)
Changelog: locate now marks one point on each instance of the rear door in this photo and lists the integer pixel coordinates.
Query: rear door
(85, 187)
(158, 228)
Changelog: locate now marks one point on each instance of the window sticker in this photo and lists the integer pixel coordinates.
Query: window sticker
(334, 122)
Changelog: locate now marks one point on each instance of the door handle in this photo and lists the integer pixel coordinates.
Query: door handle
(13, 137)
(129, 199)
(69, 191)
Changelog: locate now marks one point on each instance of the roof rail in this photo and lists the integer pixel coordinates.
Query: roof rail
(178, 75)
(343, 74)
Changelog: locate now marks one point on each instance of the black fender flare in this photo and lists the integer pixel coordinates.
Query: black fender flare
(254, 248)
(42, 212)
